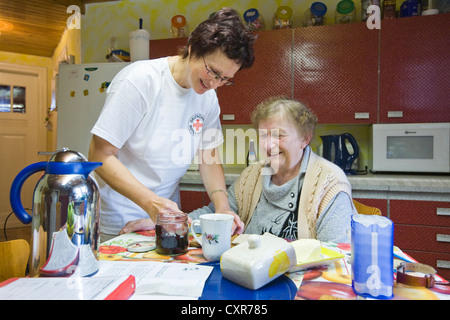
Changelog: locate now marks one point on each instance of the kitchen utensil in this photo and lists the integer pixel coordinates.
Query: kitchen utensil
(65, 215)
(335, 150)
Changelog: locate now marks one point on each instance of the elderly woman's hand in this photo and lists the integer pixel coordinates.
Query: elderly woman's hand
(238, 225)
(138, 225)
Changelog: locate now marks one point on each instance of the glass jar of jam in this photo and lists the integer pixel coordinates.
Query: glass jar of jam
(172, 233)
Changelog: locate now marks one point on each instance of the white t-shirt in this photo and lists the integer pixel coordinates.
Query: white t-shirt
(158, 127)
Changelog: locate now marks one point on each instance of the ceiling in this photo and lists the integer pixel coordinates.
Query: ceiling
(35, 27)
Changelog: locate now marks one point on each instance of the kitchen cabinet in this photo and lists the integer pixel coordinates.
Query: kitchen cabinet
(335, 72)
(192, 200)
(347, 74)
(422, 229)
(269, 76)
(414, 69)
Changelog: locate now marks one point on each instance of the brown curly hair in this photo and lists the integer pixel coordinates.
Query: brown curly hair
(225, 31)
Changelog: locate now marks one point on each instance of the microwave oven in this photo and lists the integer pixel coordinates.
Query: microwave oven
(410, 147)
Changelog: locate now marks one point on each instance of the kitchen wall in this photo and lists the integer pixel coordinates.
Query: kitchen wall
(116, 19)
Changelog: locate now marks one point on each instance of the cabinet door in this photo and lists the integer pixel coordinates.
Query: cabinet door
(414, 69)
(191, 200)
(336, 72)
(166, 47)
(269, 76)
(377, 203)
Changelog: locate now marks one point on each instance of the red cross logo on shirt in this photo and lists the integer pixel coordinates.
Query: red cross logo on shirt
(197, 125)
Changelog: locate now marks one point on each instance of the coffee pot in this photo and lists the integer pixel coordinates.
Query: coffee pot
(65, 215)
(335, 150)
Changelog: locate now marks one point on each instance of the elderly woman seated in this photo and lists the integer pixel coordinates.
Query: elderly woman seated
(293, 193)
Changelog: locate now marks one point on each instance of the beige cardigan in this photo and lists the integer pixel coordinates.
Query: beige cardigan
(323, 181)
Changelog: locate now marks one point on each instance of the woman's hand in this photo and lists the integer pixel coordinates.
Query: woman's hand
(138, 225)
(238, 225)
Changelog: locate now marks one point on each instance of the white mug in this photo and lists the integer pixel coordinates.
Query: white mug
(216, 234)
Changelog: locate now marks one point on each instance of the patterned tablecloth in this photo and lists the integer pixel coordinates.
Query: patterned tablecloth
(329, 281)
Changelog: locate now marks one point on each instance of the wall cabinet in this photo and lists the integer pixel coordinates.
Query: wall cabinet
(414, 69)
(345, 73)
(335, 72)
(269, 76)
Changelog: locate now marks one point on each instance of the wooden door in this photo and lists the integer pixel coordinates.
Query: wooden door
(22, 131)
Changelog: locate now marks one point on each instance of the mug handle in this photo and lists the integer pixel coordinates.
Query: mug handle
(195, 222)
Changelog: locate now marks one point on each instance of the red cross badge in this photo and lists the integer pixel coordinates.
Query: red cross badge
(195, 124)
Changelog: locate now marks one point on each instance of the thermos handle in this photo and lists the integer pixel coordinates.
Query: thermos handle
(16, 188)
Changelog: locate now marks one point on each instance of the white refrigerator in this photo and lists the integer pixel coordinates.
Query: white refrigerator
(81, 93)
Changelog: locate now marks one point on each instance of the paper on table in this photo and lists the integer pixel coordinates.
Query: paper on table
(159, 278)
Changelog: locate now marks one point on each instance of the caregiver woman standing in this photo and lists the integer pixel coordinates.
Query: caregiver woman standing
(158, 114)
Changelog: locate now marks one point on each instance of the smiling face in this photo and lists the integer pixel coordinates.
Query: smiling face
(217, 63)
(282, 144)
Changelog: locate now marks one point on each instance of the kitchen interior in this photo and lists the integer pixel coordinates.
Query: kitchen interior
(381, 94)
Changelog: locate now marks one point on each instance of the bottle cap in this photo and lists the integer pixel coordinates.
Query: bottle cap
(345, 6)
(318, 9)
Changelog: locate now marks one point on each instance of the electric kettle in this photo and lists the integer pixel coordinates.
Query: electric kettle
(335, 150)
(65, 215)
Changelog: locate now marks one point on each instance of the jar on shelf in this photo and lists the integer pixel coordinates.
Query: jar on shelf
(282, 19)
(410, 8)
(315, 15)
(254, 21)
(179, 28)
(172, 233)
(389, 7)
(345, 12)
(364, 5)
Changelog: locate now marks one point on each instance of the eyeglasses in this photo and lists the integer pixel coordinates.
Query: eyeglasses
(213, 74)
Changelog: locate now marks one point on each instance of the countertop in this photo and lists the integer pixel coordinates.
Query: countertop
(372, 185)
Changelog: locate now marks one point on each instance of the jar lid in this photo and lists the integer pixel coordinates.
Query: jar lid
(318, 9)
(251, 15)
(178, 21)
(168, 217)
(345, 6)
(284, 12)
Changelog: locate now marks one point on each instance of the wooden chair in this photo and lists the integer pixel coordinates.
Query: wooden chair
(14, 255)
(363, 209)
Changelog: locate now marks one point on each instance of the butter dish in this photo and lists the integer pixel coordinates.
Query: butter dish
(259, 260)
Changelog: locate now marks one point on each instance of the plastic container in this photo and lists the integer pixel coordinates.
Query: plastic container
(430, 7)
(372, 256)
(315, 15)
(282, 19)
(254, 21)
(345, 12)
(179, 28)
(364, 5)
(389, 7)
(172, 233)
(251, 156)
(410, 8)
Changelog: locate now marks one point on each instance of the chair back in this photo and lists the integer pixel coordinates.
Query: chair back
(14, 256)
(363, 209)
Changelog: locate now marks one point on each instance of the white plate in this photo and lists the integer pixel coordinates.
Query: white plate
(328, 256)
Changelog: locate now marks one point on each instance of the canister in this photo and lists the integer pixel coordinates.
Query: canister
(282, 18)
(315, 15)
(254, 21)
(372, 246)
(345, 12)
